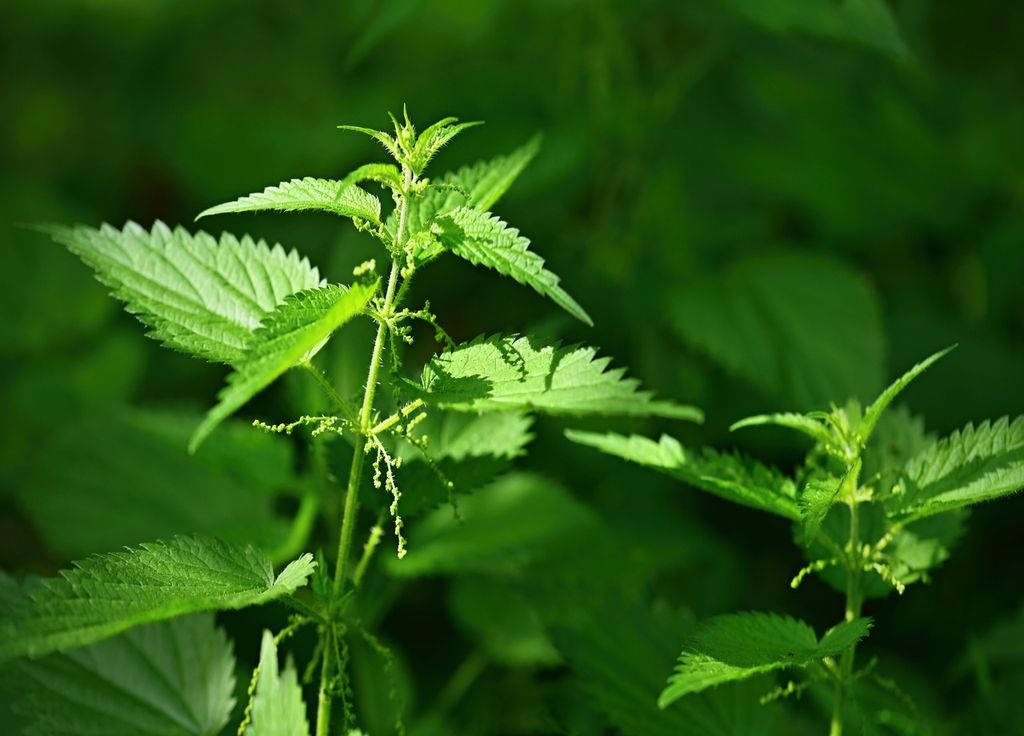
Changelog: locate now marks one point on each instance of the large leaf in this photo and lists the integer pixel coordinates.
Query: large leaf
(172, 678)
(299, 195)
(196, 294)
(507, 525)
(805, 330)
(485, 240)
(277, 707)
(741, 645)
(502, 620)
(867, 22)
(107, 480)
(293, 333)
(733, 477)
(972, 465)
(107, 594)
(512, 373)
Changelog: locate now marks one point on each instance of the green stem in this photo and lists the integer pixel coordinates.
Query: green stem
(323, 709)
(398, 416)
(351, 508)
(348, 517)
(854, 602)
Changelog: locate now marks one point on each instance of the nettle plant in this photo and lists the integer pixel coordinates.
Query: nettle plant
(876, 505)
(263, 311)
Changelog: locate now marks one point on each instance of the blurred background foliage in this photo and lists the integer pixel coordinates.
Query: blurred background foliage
(764, 204)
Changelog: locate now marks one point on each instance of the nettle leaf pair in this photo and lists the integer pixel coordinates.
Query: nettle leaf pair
(264, 311)
(876, 506)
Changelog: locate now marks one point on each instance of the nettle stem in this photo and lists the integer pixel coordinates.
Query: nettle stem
(854, 603)
(351, 507)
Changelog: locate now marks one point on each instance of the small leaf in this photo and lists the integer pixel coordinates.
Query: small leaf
(741, 645)
(732, 477)
(799, 422)
(300, 195)
(385, 174)
(972, 465)
(433, 139)
(167, 678)
(293, 333)
(277, 706)
(617, 644)
(197, 295)
(389, 143)
(483, 183)
(503, 373)
(816, 499)
(484, 240)
(107, 594)
(467, 450)
(874, 412)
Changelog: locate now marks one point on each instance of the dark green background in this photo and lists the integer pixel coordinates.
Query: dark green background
(763, 205)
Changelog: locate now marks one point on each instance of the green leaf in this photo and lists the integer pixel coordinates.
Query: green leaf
(816, 499)
(487, 181)
(293, 333)
(874, 412)
(731, 476)
(617, 645)
(301, 195)
(867, 22)
(503, 621)
(504, 527)
(898, 437)
(503, 373)
(820, 493)
(136, 462)
(972, 465)
(172, 678)
(385, 174)
(805, 330)
(485, 240)
(196, 294)
(741, 645)
(799, 422)
(389, 143)
(107, 594)
(277, 706)
(433, 139)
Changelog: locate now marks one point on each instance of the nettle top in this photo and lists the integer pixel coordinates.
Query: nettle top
(263, 310)
(876, 505)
